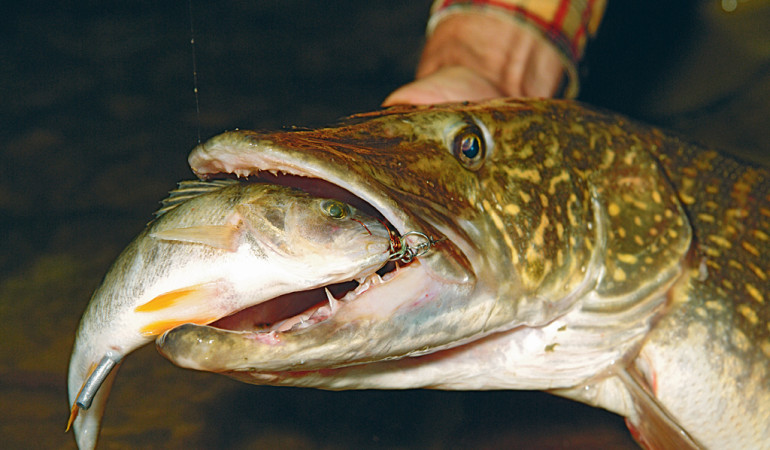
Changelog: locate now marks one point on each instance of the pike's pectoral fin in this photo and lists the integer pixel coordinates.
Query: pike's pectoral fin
(656, 427)
(225, 237)
(190, 304)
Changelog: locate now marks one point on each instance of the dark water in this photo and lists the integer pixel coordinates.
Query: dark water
(97, 116)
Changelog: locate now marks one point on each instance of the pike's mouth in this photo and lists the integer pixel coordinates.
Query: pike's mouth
(299, 310)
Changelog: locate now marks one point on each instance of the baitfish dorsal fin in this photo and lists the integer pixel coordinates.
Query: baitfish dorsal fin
(187, 190)
(224, 237)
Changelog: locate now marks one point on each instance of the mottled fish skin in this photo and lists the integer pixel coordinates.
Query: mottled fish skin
(714, 343)
(597, 258)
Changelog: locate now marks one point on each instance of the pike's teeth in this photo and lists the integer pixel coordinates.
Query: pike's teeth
(371, 280)
(325, 311)
(309, 317)
(332, 301)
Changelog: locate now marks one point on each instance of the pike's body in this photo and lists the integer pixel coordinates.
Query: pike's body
(577, 253)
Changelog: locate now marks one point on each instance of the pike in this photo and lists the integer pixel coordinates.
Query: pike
(216, 248)
(576, 252)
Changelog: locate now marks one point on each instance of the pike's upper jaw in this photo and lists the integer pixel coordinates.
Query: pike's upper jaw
(234, 153)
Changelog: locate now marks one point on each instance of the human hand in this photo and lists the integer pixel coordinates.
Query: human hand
(447, 84)
(482, 56)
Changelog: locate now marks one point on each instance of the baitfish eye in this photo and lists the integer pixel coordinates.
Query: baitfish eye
(468, 147)
(335, 209)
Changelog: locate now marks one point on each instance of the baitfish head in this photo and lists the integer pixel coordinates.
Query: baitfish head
(214, 249)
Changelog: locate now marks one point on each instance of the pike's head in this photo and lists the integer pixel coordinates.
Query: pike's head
(511, 242)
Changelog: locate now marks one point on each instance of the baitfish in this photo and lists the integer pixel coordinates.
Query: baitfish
(577, 252)
(216, 248)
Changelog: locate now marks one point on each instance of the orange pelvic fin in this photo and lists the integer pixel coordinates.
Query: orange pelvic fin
(161, 326)
(189, 297)
(225, 237)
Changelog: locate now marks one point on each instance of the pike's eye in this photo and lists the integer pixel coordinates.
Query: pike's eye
(468, 147)
(335, 209)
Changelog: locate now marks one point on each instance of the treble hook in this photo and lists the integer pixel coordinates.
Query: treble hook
(400, 250)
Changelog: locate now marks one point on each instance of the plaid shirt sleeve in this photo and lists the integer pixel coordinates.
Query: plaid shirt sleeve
(567, 24)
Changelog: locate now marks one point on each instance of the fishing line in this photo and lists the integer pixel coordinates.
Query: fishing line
(195, 72)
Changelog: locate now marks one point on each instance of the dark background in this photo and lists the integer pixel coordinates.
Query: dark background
(97, 115)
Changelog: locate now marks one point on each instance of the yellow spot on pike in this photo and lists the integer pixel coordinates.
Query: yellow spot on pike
(755, 293)
(758, 272)
(613, 209)
(500, 225)
(619, 275)
(720, 241)
(627, 258)
(714, 306)
(749, 314)
(512, 209)
(761, 235)
(687, 199)
(739, 213)
(531, 175)
(750, 248)
(563, 176)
